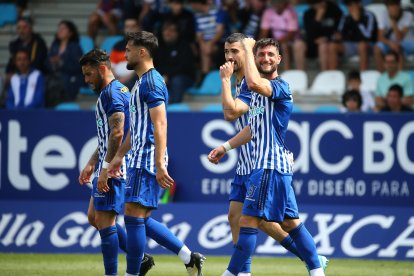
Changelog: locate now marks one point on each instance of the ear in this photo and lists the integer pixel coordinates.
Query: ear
(102, 69)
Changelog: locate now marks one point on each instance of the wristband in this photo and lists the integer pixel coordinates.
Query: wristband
(105, 165)
(227, 146)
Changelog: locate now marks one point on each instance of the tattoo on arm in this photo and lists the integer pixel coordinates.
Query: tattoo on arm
(116, 124)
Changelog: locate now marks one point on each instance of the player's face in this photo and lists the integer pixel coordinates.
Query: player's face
(92, 78)
(234, 53)
(131, 55)
(267, 59)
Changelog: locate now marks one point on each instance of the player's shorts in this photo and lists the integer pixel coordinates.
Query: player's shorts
(270, 196)
(238, 188)
(142, 188)
(112, 200)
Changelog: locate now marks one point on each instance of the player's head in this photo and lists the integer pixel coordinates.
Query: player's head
(233, 50)
(266, 55)
(141, 46)
(95, 65)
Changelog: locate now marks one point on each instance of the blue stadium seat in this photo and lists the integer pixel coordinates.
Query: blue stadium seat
(8, 14)
(85, 90)
(296, 109)
(178, 107)
(411, 73)
(86, 43)
(327, 109)
(300, 11)
(215, 107)
(70, 106)
(211, 85)
(109, 42)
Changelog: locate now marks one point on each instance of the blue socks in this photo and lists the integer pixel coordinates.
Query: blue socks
(243, 250)
(109, 247)
(121, 237)
(306, 246)
(289, 244)
(162, 235)
(136, 240)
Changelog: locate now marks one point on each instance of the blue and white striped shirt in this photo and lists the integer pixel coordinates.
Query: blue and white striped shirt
(268, 120)
(244, 165)
(114, 97)
(148, 92)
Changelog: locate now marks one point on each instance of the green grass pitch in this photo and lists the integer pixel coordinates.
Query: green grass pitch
(168, 265)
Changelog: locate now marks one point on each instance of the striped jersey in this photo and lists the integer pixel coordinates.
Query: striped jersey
(268, 120)
(148, 92)
(244, 166)
(206, 23)
(114, 97)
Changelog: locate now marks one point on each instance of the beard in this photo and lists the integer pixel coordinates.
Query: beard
(131, 66)
(267, 72)
(98, 85)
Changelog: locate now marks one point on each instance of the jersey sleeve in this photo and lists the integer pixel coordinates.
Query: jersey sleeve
(155, 97)
(280, 89)
(245, 94)
(117, 103)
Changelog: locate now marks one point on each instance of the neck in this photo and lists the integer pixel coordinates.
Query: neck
(107, 79)
(144, 67)
(270, 76)
(392, 74)
(239, 75)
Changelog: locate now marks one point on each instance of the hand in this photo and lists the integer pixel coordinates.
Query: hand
(226, 70)
(85, 175)
(248, 43)
(163, 179)
(102, 186)
(114, 168)
(216, 154)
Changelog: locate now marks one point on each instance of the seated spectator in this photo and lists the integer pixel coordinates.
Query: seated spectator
(393, 28)
(354, 83)
(250, 17)
(356, 35)
(321, 21)
(394, 101)
(211, 30)
(29, 41)
(108, 13)
(145, 11)
(393, 76)
(27, 87)
(352, 101)
(175, 62)
(280, 21)
(63, 60)
(117, 56)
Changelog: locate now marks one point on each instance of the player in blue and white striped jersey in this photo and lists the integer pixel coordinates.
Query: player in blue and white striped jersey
(270, 195)
(147, 169)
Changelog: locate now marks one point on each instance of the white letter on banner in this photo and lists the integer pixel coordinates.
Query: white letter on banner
(210, 141)
(346, 244)
(29, 234)
(370, 147)
(315, 143)
(17, 144)
(402, 144)
(302, 132)
(72, 233)
(325, 230)
(42, 159)
(401, 240)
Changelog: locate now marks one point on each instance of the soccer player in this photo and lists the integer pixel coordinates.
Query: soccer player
(112, 118)
(269, 195)
(147, 169)
(236, 110)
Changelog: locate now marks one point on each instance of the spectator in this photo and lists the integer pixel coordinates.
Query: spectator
(117, 56)
(250, 17)
(29, 41)
(354, 83)
(321, 21)
(145, 11)
(393, 27)
(63, 60)
(352, 101)
(211, 30)
(357, 31)
(27, 87)
(393, 75)
(281, 22)
(394, 100)
(108, 13)
(175, 62)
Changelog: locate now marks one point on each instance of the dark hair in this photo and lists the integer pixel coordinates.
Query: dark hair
(354, 75)
(72, 28)
(26, 19)
(264, 42)
(235, 37)
(352, 95)
(204, 2)
(392, 2)
(349, 2)
(94, 58)
(393, 53)
(398, 88)
(23, 50)
(145, 39)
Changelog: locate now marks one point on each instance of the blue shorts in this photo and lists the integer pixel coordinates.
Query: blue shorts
(238, 188)
(112, 200)
(270, 196)
(142, 188)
